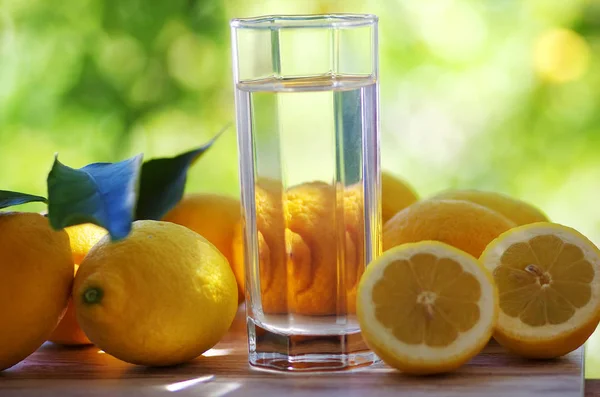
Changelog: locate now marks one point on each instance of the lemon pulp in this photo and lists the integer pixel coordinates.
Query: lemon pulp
(434, 296)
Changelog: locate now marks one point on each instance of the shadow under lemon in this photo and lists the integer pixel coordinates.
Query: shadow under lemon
(310, 247)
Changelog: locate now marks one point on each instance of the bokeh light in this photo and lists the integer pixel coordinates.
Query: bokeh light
(561, 55)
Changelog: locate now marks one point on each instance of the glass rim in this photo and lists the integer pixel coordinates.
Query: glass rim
(300, 21)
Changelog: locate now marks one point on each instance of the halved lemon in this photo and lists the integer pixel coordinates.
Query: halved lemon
(548, 278)
(426, 307)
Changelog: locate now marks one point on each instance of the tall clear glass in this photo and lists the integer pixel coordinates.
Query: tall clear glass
(306, 90)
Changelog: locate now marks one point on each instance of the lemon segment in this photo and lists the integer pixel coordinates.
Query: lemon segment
(426, 307)
(548, 279)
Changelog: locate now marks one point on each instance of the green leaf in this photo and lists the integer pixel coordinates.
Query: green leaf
(163, 180)
(101, 193)
(8, 199)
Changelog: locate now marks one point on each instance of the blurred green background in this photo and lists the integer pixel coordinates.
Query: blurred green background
(501, 95)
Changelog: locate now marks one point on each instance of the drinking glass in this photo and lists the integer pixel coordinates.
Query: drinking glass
(306, 95)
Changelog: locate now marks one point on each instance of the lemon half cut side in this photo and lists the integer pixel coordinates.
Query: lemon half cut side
(426, 307)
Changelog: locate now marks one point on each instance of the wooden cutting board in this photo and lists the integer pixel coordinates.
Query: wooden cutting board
(55, 371)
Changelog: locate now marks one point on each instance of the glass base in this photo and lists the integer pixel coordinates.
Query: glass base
(276, 351)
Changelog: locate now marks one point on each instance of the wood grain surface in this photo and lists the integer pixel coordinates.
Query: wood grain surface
(55, 371)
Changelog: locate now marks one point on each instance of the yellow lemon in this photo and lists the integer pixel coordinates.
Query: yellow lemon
(68, 332)
(270, 238)
(354, 249)
(297, 236)
(214, 217)
(36, 274)
(548, 277)
(322, 222)
(426, 307)
(396, 195)
(518, 211)
(464, 225)
(82, 238)
(162, 296)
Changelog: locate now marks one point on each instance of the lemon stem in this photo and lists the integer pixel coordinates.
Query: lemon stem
(93, 295)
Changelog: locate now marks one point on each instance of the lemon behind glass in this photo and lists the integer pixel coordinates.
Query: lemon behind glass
(82, 238)
(162, 296)
(462, 224)
(518, 211)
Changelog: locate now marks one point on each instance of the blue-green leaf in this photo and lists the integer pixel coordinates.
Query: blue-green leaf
(163, 181)
(101, 193)
(8, 199)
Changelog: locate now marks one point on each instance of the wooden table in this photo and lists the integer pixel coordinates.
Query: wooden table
(55, 371)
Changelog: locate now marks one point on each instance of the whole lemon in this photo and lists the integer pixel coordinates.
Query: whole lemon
(36, 274)
(396, 195)
(162, 296)
(314, 239)
(82, 238)
(467, 226)
(214, 217)
(518, 211)
(298, 231)
(270, 225)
